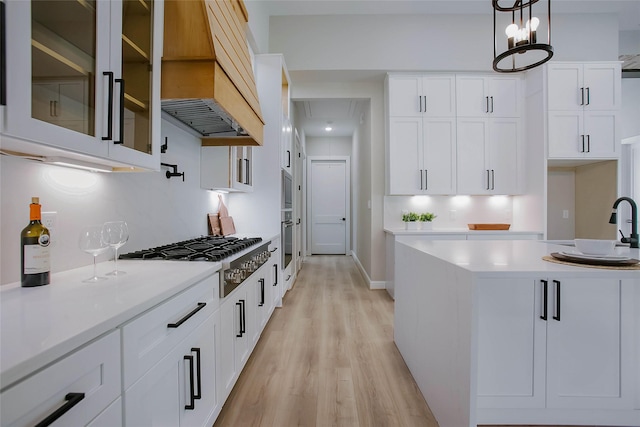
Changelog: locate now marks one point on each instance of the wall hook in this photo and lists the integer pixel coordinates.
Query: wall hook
(175, 171)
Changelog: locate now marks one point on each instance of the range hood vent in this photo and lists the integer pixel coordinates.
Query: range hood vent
(207, 77)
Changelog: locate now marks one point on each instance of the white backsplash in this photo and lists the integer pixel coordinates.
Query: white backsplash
(451, 211)
(158, 210)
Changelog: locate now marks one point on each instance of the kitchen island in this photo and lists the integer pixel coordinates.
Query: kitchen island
(494, 334)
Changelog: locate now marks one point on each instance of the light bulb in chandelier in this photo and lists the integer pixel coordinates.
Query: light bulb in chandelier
(511, 32)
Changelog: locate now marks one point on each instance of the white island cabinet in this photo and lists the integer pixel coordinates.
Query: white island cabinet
(493, 334)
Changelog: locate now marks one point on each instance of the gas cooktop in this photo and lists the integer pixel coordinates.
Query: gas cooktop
(205, 248)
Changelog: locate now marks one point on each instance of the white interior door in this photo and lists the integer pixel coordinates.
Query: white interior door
(329, 205)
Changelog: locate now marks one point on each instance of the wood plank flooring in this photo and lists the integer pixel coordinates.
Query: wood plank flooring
(327, 358)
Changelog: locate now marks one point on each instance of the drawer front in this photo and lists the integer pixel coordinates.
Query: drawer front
(93, 370)
(148, 338)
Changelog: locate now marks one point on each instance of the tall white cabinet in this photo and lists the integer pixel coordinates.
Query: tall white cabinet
(583, 101)
(489, 131)
(421, 134)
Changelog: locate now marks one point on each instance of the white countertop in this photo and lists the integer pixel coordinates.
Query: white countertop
(41, 324)
(403, 231)
(497, 257)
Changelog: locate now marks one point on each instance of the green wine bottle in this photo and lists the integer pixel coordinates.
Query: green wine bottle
(34, 240)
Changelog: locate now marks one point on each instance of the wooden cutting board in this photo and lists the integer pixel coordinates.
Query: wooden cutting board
(489, 226)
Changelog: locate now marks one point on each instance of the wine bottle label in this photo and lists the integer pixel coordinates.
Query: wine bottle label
(36, 259)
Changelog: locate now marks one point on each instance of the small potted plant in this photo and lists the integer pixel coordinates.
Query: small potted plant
(411, 220)
(426, 219)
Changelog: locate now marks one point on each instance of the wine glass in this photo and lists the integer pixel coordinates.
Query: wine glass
(115, 234)
(91, 242)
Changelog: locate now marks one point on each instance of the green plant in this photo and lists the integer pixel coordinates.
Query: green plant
(410, 217)
(427, 217)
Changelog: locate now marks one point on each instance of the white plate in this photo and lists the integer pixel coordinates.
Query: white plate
(596, 257)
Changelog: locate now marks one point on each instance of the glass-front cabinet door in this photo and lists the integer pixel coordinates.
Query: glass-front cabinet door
(81, 77)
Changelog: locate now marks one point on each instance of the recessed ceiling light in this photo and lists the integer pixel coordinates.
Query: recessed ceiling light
(328, 128)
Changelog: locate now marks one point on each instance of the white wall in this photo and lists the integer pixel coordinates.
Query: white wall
(158, 210)
(328, 146)
(630, 113)
(629, 42)
(424, 42)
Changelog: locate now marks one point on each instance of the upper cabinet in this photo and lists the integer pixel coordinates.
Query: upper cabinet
(90, 83)
(583, 102)
(422, 95)
(488, 96)
(226, 168)
(421, 133)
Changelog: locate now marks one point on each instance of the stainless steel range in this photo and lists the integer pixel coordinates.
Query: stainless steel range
(240, 257)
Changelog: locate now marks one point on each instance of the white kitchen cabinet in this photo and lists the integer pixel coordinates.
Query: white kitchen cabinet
(234, 337)
(226, 168)
(85, 382)
(422, 155)
(421, 95)
(149, 337)
(575, 86)
(488, 96)
(487, 155)
(91, 85)
(566, 350)
(179, 390)
(583, 110)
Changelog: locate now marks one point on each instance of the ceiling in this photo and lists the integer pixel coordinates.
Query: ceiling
(344, 114)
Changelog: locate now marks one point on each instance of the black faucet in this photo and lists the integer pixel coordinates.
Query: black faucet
(633, 238)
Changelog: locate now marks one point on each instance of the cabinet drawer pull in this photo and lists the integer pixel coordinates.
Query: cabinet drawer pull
(185, 318)
(243, 325)
(121, 127)
(192, 394)
(557, 315)
(545, 289)
(72, 399)
(261, 293)
(198, 395)
(3, 55)
(275, 274)
(110, 106)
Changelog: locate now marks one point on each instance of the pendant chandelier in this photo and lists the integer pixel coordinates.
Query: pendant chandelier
(519, 35)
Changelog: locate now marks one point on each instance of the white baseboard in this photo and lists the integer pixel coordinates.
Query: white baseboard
(377, 284)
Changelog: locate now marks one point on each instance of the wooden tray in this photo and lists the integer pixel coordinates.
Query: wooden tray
(489, 226)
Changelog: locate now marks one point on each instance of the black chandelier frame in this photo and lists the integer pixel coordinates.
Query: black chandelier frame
(519, 6)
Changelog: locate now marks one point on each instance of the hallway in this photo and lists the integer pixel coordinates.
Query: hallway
(327, 358)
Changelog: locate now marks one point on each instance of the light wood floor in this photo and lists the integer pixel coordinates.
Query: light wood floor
(327, 358)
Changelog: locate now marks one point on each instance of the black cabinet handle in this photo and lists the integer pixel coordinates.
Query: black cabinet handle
(582, 137)
(557, 315)
(492, 104)
(288, 158)
(185, 318)
(261, 303)
(487, 98)
(121, 139)
(426, 179)
(488, 180)
(198, 395)
(588, 96)
(420, 103)
(588, 143)
(192, 393)
(110, 106)
(581, 96)
(421, 180)
(493, 179)
(275, 274)
(72, 399)
(545, 289)
(244, 317)
(3, 55)
(239, 334)
(247, 172)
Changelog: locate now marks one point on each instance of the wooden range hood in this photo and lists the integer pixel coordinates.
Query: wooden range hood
(207, 78)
